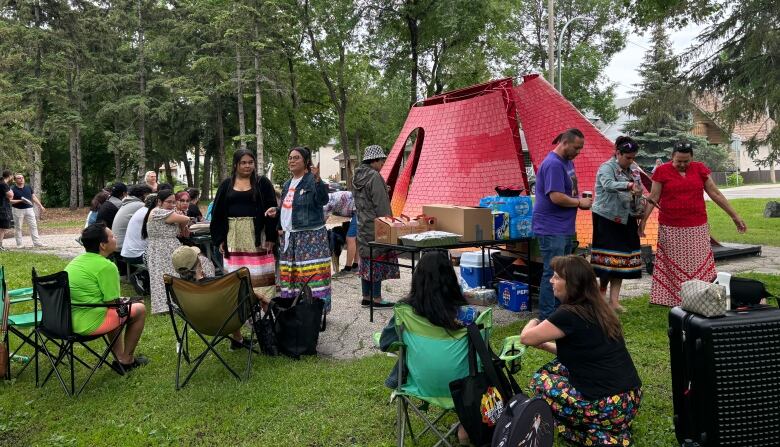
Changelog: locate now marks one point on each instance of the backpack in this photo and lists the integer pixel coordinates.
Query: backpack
(525, 422)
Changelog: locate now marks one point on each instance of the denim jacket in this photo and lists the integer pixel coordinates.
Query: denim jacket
(613, 199)
(310, 197)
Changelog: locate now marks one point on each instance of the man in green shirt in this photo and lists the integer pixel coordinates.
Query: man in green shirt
(94, 279)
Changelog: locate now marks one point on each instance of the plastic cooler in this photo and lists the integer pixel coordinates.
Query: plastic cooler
(475, 271)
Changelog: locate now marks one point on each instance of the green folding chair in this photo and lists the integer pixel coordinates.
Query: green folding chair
(215, 308)
(429, 358)
(21, 325)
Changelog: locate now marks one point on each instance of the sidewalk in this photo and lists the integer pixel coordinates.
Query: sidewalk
(349, 333)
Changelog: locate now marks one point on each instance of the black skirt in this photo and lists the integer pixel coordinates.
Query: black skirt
(615, 252)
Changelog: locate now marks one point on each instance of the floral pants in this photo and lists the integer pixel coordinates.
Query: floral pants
(602, 422)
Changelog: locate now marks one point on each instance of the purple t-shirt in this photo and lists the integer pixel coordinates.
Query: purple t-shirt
(554, 175)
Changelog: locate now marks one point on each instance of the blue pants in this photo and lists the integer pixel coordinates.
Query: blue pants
(368, 285)
(550, 247)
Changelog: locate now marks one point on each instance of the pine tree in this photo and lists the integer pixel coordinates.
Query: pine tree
(662, 106)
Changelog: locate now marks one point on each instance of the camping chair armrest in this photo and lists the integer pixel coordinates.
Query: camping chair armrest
(26, 292)
(107, 305)
(23, 299)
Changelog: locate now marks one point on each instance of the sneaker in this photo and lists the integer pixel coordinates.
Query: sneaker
(39, 244)
(3, 249)
(378, 305)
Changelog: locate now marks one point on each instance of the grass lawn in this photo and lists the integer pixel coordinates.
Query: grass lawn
(312, 402)
(761, 230)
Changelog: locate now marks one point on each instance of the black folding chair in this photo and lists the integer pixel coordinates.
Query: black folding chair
(214, 307)
(52, 293)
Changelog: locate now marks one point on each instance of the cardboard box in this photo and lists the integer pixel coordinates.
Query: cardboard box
(513, 295)
(473, 223)
(388, 229)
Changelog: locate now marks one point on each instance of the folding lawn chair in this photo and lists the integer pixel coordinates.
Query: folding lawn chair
(52, 293)
(429, 358)
(214, 307)
(22, 325)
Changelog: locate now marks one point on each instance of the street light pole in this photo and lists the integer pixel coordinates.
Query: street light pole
(550, 40)
(560, 44)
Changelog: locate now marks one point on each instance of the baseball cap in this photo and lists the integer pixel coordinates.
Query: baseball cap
(184, 258)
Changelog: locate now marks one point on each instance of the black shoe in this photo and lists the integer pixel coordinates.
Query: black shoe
(378, 305)
(140, 360)
(239, 345)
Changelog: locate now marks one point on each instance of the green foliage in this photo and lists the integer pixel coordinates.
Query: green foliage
(588, 47)
(735, 179)
(735, 57)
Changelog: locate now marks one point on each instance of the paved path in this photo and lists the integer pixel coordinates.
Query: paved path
(349, 333)
(751, 192)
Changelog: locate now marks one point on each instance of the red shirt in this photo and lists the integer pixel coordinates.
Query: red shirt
(682, 197)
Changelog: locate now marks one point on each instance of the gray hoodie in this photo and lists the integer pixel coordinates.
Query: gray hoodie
(371, 201)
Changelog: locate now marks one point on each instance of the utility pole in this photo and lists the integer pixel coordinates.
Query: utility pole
(551, 41)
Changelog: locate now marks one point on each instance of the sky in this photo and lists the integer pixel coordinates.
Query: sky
(623, 68)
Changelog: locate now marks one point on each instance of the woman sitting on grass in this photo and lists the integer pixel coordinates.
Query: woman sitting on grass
(435, 295)
(592, 386)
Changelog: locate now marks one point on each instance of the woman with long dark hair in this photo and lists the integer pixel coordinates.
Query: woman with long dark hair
(304, 250)
(240, 227)
(592, 386)
(436, 296)
(160, 228)
(617, 208)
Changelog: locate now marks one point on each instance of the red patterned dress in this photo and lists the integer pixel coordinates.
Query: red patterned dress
(684, 251)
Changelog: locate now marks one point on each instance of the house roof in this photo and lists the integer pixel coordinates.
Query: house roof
(711, 105)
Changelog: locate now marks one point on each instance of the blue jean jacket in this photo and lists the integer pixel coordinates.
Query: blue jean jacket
(310, 197)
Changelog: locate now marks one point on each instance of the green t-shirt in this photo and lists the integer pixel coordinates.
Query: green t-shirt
(93, 279)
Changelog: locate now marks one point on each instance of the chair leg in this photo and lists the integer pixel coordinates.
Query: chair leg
(430, 426)
(400, 422)
(101, 358)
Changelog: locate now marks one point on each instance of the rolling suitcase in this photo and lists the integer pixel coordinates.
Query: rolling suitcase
(726, 377)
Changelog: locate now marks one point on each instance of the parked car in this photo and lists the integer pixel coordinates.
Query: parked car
(529, 172)
(335, 186)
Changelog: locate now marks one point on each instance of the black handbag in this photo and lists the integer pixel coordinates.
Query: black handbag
(298, 323)
(265, 331)
(481, 397)
(747, 292)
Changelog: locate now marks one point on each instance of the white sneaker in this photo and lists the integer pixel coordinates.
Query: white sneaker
(39, 244)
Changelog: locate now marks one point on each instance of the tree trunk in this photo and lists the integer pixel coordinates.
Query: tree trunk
(220, 142)
(169, 172)
(196, 163)
(258, 115)
(80, 172)
(74, 174)
(35, 149)
(293, 114)
(187, 171)
(117, 155)
(240, 100)
(142, 91)
(205, 187)
(414, 39)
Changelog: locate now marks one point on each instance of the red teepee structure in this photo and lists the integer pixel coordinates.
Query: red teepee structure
(468, 142)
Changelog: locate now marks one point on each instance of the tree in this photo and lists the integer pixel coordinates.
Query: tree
(735, 57)
(663, 108)
(588, 47)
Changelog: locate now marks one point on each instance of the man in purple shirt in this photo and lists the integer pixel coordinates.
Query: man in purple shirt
(555, 209)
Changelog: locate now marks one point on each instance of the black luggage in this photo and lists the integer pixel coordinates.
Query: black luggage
(726, 377)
